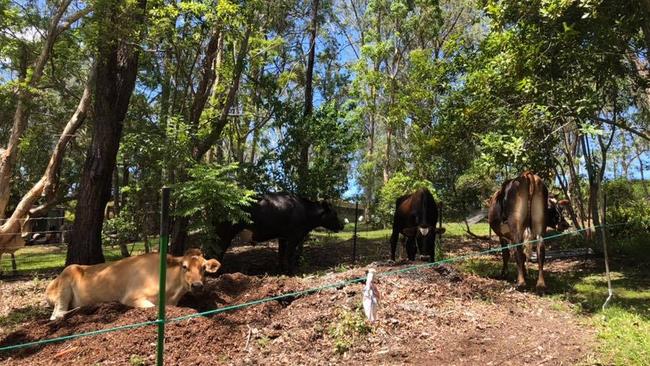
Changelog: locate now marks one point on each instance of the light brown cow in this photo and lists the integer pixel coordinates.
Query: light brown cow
(15, 238)
(132, 281)
(522, 204)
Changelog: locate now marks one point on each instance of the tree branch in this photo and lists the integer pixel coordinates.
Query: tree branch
(643, 134)
(69, 21)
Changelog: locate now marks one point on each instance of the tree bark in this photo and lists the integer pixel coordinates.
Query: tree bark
(303, 165)
(117, 66)
(46, 186)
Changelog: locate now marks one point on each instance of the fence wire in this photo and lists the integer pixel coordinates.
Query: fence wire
(294, 294)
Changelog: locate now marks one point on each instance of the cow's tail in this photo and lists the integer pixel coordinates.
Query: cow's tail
(531, 179)
(424, 202)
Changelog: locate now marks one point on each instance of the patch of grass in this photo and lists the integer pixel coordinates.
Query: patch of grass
(481, 266)
(623, 327)
(349, 328)
(263, 341)
(22, 315)
(342, 267)
(452, 229)
(458, 229)
(624, 335)
(40, 258)
(137, 360)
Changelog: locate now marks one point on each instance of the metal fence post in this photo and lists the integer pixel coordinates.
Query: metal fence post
(162, 251)
(354, 237)
(603, 234)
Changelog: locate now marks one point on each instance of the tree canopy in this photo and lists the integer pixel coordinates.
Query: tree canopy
(331, 99)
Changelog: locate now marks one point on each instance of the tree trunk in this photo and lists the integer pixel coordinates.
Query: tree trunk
(570, 152)
(181, 224)
(303, 166)
(387, 157)
(117, 66)
(46, 187)
(644, 183)
(9, 155)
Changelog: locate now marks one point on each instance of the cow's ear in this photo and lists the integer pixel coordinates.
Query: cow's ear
(212, 265)
(174, 261)
(563, 203)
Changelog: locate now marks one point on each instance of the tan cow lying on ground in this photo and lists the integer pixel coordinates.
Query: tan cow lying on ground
(132, 281)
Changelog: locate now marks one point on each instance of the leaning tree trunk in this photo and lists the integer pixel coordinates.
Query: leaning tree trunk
(117, 66)
(47, 186)
(9, 155)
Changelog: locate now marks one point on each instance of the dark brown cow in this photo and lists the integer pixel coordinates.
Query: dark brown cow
(415, 217)
(523, 203)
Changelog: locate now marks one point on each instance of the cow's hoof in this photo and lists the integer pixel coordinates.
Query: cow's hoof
(521, 286)
(540, 288)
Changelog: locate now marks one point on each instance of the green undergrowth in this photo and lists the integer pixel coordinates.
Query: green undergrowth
(22, 315)
(349, 328)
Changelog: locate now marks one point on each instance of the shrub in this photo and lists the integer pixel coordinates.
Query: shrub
(211, 195)
(120, 229)
(350, 326)
(397, 186)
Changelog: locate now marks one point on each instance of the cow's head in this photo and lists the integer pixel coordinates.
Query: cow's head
(193, 268)
(556, 218)
(328, 217)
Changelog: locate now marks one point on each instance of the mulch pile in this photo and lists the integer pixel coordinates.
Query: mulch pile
(431, 316)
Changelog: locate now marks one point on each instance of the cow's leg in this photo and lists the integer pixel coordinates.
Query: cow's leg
(517, 232)
(411, 248)
(292, 261)
(13, 263)
(282, 255)
(299, 249)
(62, 298)
(141, 302)
(520, 256)
(226, 232)
(505, 254)
(393, 243)
(541, 252)
(538, 227)
(430, 241)
(421, 243)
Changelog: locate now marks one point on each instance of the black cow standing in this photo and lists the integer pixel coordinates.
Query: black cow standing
(415, 217)
(285, 217)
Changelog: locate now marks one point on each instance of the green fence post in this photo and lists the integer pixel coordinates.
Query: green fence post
(162, 250)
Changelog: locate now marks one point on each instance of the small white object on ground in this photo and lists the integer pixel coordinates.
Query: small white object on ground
(370, 297)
